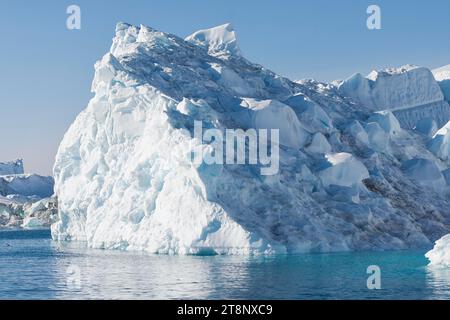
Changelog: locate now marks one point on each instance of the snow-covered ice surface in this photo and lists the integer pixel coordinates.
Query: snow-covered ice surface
(220, 40)
(442, 73)
(350, 169)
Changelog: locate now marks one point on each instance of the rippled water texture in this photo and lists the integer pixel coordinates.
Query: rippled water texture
(32, 266)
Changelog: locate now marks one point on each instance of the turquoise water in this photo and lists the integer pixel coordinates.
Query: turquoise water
(32, 266)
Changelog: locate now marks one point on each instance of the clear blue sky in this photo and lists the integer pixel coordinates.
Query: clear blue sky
(46, 70)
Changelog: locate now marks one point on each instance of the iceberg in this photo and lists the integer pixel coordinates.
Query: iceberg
(13, 167)
(40, 214)
(125, 178)
(27, 185)
(19, 192)
(440, 255)
(29, 213)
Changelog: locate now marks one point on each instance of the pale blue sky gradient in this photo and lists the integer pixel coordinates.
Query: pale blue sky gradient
(46, 70)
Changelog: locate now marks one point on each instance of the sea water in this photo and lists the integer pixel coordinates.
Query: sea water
(32, 266)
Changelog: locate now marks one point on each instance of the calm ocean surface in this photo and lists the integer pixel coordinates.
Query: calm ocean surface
(32, 266)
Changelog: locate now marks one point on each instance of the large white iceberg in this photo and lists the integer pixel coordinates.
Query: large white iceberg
(125, 178)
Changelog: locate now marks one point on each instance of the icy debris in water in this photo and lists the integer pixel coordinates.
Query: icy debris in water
(440, 255)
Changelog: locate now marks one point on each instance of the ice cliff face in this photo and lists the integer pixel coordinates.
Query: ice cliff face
(410, 92)
(350, 177)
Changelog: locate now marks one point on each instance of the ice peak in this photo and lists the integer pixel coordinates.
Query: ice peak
(122, 26)
(128, 37)
(218, 40)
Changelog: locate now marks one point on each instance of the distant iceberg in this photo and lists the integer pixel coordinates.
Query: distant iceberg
(27, 185)
(12, 167)
(355, 171)
(21, 193)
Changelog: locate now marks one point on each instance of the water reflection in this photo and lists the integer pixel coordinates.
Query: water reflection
(438, 280)
(125, 275)
(34, 267)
